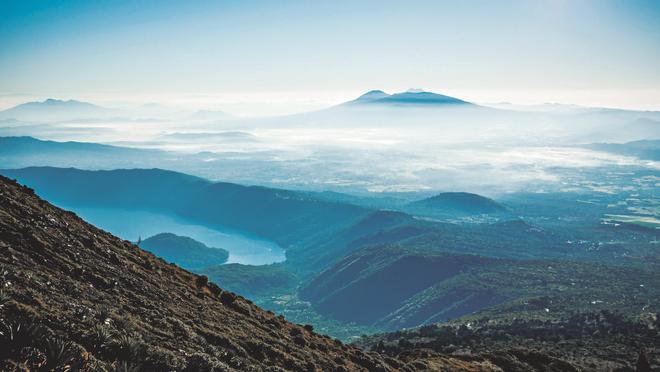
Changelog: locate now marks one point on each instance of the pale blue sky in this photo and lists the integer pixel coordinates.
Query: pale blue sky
(498, 50)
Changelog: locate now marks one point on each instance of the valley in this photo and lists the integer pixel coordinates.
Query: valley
(352, 269)
(370, 271)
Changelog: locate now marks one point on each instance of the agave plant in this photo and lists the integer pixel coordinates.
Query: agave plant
(98, 338)
(131, 347)
(59, 354)
(4, 297)
(14, 336)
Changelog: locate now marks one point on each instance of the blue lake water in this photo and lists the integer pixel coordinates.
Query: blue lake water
(131, 224)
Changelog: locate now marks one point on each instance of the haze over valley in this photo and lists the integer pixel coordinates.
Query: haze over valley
(360, 146)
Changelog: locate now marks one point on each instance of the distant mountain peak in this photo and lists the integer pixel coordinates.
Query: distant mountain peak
(458, 202)
(52, 109)
(409, 97)
(55, 101)
(372, 95)
(417, 97)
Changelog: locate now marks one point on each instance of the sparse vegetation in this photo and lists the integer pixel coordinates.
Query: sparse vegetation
(4, 297)
(59, 354)
(129, 347)
(98, 338)
(17, 335)
(201, 281)
(103, 312)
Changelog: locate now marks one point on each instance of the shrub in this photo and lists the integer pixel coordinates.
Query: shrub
(98, 338)
(32, 357)
(130, 347)
(158, 359)
(103, 312)
(299, 340)
(227, 298)
(59, 354)
(122, 323)
(14, 336)
(201, 281)
(4, 297)
(214, 289)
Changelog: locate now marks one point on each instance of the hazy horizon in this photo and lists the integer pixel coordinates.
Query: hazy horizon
(258, 58)
(290, 103)
(151, 68)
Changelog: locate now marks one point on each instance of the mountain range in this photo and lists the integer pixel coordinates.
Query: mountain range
(455, 118)
(57, 110)
(52, 109)
(644, 149)
(30, 146)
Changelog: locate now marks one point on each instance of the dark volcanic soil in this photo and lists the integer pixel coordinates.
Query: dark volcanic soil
(73, 295)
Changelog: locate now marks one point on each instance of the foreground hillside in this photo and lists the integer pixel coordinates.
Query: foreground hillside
(76, 297)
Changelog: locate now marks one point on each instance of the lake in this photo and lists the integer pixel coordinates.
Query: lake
(132, 224)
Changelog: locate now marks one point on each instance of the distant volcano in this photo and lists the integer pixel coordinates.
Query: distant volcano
(410, 97)
(372, 95)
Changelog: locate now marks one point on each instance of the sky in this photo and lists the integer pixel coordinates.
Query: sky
(275, 57)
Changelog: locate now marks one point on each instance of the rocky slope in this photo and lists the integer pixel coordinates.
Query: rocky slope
(74, 296)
